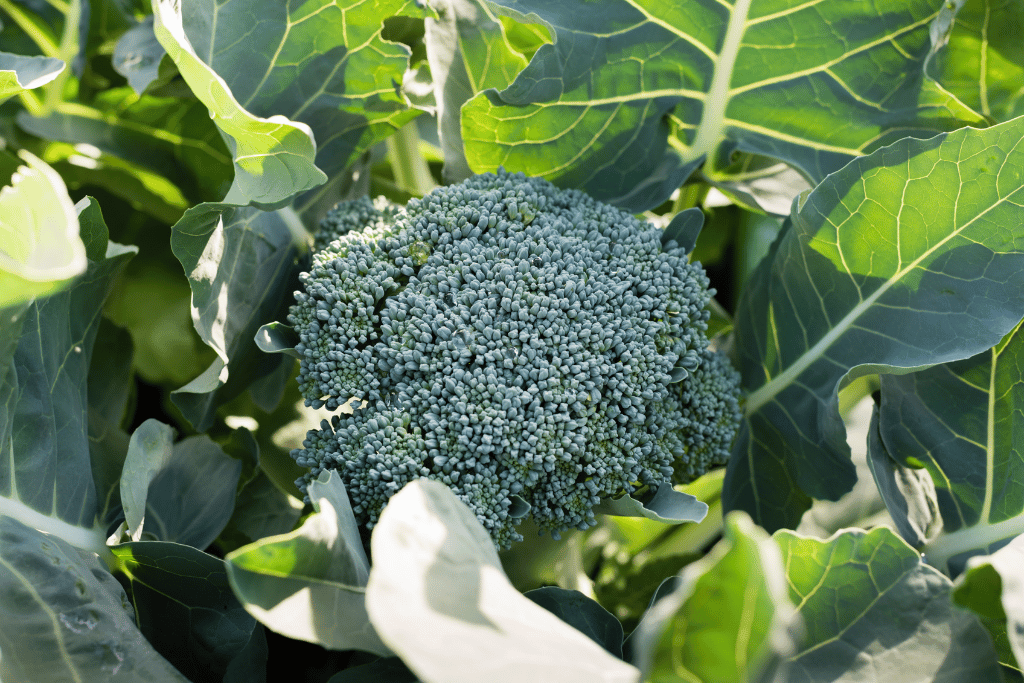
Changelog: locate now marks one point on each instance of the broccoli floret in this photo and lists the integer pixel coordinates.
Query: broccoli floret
(515, 341)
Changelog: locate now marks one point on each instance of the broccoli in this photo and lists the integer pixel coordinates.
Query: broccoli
(530, 347)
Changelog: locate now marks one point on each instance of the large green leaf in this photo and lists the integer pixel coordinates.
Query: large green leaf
(907, 258)
(40, 247)
(438, 597)
(185, 608)
(44, 445)
(273, 156)
(993, 587)
(192, 495)
(321, 64)
(982, 59)
(729, 620)
(872, 610)
(19, 73)
(63, 617)
(310, 584)
(632, 95)
(242, 264)
(165, 135)
(961, 422)
(471, 49)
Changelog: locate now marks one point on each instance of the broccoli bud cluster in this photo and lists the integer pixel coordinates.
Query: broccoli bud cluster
(520, 343)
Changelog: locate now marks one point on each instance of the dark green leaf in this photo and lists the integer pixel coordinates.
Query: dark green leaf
(110, 383)
(191, 498)
(384, 670)
(185, 607)
(63, 617)
(583, 614)
(872, 609)
(43, 414)
(959, 422)
(631, 97)
(683, 229)
(150, 449)
(137, 55)
(242, 264)
(907, 258)
(909, 494)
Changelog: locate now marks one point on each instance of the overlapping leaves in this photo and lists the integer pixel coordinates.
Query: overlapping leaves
(633, 95)
(907, 258)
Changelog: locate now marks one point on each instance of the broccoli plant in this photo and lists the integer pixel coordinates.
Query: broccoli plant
(532, 348)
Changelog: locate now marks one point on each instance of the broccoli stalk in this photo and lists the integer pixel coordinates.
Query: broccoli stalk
(530, 347)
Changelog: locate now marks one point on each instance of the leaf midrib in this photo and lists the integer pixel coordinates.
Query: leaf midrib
(760, 397)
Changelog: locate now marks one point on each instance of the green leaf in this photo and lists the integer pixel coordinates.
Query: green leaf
(729, 620)
(111, 381)
(44, 446)
(980, 56)
(273, 156)
(665, 505)
(471, 49)
(185, 608)
(632, 96)
(310, 584)
(583, 614)
(907, 258)
(758, 183)
(40, 247)
(242, 265)
(383, 670)
(19, 73)
(149, 451)
(873, 610)
(960, 422)
(438, 597)
(909, 494)
(192, 497)
(992, 587)
(278, 338)
(63, 617)
(137, 55)
(167, 136)
(684, 229)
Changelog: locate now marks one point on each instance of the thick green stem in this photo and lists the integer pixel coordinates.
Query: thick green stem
(68, 51)
(81, 537)
(410, 168)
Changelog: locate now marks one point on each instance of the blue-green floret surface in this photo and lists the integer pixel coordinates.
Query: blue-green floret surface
(514, 341)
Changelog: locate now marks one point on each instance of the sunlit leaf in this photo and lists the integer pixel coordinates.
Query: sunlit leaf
(40, 247)
(439, 599)
(906, 258)
(633, 95)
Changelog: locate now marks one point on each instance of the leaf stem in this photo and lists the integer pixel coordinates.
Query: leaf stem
(91, 539)
(31, 29)
(68, 51)
(711, 122)
(410, 168)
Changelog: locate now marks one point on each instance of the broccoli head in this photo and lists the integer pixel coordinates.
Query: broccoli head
(532, 348)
